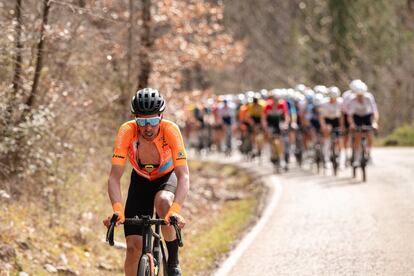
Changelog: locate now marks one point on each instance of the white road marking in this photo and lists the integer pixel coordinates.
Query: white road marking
(276, 190)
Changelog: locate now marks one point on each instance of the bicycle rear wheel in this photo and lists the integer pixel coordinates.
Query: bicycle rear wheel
(335, 168)
(364, 174)
(146, 266)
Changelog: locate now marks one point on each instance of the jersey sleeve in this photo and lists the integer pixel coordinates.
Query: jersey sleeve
(351, 107)
(176, 144)
(122, 143)
(373, 104)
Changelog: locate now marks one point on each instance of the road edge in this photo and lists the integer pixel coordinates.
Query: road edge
(275, 194)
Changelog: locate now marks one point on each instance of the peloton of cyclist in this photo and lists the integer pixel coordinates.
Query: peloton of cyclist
(160, 176)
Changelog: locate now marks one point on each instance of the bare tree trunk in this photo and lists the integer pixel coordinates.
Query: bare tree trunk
(18, 61)
(39, 60)
(126, 93)
(146, 42)
(130, 37)
(17, 64)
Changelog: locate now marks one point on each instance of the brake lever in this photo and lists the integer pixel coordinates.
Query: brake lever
(111, 230)
(173, 221)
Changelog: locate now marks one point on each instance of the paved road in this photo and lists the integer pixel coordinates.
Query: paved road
(325, 225)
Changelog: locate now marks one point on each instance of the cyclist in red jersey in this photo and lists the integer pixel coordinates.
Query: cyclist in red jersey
(160, 176)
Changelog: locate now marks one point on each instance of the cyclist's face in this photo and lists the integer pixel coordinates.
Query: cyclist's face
(149, 131)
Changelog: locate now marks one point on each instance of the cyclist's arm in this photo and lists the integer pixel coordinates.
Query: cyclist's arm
(294, 114)
(183, 184)
(341, 122)
(118, 163)
(179, 156)
(264, 119)
(351, 120)
(375, 109)
(114, 183)
(322, 121)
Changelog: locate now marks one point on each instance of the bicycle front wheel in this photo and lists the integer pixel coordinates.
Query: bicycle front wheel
(364, 173)
(161, 264)
(146, 266)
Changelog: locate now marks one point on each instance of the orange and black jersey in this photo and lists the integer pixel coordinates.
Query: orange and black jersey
(169, 143)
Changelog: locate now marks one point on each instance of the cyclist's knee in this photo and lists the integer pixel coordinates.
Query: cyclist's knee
(163, 201)
(134, 245)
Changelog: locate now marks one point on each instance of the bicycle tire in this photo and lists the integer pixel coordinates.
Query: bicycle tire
(146, 266)
(299, 158)
(164, 267)
(318, 166)
(364, 174)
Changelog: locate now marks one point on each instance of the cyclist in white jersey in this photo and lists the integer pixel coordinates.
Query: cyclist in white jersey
(331, 119)
(362, 111)
(227, 113)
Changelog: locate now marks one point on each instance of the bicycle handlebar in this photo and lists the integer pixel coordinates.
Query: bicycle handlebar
(144, 221)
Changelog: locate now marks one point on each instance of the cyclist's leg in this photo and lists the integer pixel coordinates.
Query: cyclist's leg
(327, 141)
(370, 134)
(163, 201)
(133, 254)
(140, 201)
(357, 141)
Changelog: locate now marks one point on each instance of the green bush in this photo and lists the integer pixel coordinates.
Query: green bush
(402, 136)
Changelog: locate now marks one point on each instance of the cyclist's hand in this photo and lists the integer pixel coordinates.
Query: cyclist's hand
(375, 125)
(174, 210)
(180, 220)
(107, 222)
(117, 207)
(352, 126)
(294, 126)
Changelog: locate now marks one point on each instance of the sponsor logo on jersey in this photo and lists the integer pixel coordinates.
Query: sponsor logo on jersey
(181, 158)
(180, 154)
(118, 156)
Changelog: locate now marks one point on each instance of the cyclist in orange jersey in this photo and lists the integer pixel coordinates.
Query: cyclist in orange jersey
(160, 176)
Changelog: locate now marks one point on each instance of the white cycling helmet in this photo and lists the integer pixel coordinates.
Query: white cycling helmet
(290, 93)
(358, 87)
(320, 89)
(334, 92)
(300, 88)
(309, 93)
(318, 99)
(242, 98)
(264, 93)
(299, 96)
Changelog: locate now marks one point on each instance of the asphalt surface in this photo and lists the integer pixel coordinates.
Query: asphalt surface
(326, 225)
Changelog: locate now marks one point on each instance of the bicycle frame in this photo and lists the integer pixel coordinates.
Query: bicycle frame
(335, 133)
(364, 130)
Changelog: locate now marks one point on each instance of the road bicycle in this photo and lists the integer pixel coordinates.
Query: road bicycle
(153, 261)
(286, 147)
(364, 157)
(318, 158)
(275, 145)
(246, 143)
(334, 154)
(299, 148)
